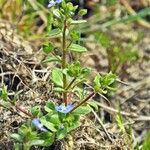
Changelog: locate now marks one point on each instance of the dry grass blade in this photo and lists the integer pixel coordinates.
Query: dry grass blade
(103, 127)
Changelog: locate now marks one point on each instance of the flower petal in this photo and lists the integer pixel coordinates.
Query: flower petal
(58, 1)
(51, 3)
(36, 122)
(64, 109)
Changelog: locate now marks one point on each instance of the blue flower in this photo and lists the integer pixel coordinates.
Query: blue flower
(54, 2)
(58, 1)
(64, 109)
(36, 122)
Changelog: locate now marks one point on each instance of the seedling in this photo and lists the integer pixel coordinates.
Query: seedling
(119, 58)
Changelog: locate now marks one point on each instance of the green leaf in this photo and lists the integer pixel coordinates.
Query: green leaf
(61, 133)
(82, 12)
(50, 106)
(18, 146)
(105, 83)
(37, 142)
(30, 134)
(48, 124)
(35, 110)
(16, 137)
(52, 59)
(74, 69)
(48, 138)
(56, 13)
(102, 39)
(57, 77)
(109, 79)
(75, 35)
(97, 84)
(78, 21)
(82, 110)
(47, 48)
(120, 122)
(93, 104)
(74, 126)
(77, 48)
(59, 89)
(146, 144)
(55, 119)
(47, 109)
(70, 6)
(4, 93)
(55, 32)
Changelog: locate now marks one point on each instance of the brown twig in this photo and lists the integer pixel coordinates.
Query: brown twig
(103, 127)
(134, 116)
(24, 111)
(64, 60)
(82, 102)
(70, 84)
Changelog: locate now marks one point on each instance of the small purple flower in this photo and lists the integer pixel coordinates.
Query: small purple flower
(54, 2)
(64, 109)
(36, 122)
(58, 1)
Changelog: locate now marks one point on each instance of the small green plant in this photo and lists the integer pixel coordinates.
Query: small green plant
(119, 58)
(54, 122)
(126, 131)
(146, 144)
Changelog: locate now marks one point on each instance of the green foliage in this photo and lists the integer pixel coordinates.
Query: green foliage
(3, 93)
(120, 122)
(53, 122)
(126, 131)
(77, 48)
(146, 144)
(48, 124)
(52, 59)
(48, 48)
(105, 83)
(75, 35)
(103, 39)
(117, 55)
(82, 12)
(57, 77)
(36, 111)
(55, 32)
(27, 136)
(75, 70)
(57, 124)
(83, 110)
(130, 18)
(111, 2)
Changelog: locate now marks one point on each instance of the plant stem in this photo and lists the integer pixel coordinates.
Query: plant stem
(26, 146)
(64, 60)
(82, 102)
(70, 84)
(24, 111)
(18, 108)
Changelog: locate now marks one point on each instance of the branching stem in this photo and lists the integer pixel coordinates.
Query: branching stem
(70, 84)
(24, 111)
(82, 102)
(64, 60)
